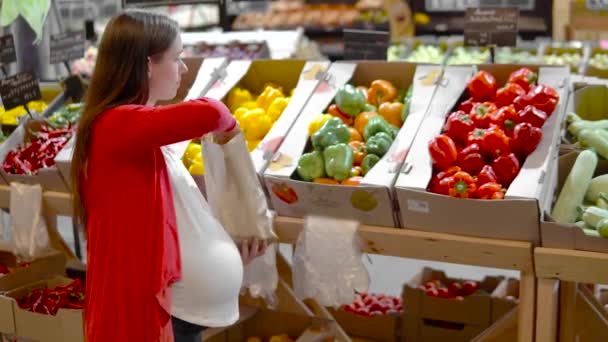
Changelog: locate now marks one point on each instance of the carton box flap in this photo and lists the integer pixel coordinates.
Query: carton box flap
(49, 265)
(234, 72)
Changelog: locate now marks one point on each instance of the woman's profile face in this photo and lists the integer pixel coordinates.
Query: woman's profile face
(166, 73)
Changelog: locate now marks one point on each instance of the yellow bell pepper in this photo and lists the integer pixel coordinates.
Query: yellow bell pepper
(239, 112)
(317, 122)
(237, 97)
(197, 168)
(252, 144)
(250, 105)
(267, 96)
(257, 129)
(277, 107)
(250, 117)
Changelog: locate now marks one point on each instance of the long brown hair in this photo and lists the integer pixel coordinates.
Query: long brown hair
(120, 77)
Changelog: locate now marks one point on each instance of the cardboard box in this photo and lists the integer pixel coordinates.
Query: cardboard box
(591, 70)
(265, 324)
(437, 319)
(504, 298)
(371, 202)
(514, 218)
(66, 326)
(382, 328)
(195, 83)
(559, 49)
(289, 74)
(570, 236)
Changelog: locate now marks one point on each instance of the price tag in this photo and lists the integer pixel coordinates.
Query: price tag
(597, 5)
(19, 89)
(7, 50)
(491, 26)
(67, 46)
(365, 44)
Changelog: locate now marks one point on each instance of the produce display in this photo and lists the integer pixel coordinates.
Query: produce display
(85, 65)
(599, 60)
(486, 140)
(255, 114)
(573, 59)
(11, 116)
(395, 52)
(67, 116)
(507, 55)
(462, 55)
(37, 153)
(454, 290)
(232, 50)
(357, 130)
(370, 304)
(4, 269)
(427, 54)
(275, 338)
(48, 301)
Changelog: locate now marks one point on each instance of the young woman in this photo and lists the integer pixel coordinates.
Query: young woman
(122, 193)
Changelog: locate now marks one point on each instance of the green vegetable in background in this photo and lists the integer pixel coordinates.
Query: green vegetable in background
(379, 124)
(333, 132)
(311, 166)
(338, 161)
(368, 163)
(379, 144)
(350, 100)
(407, 100)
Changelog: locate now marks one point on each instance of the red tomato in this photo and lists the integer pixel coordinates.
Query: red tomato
(432, 292)
(443, 293)
(455, 288)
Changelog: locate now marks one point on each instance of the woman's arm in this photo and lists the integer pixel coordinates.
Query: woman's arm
(149, 127)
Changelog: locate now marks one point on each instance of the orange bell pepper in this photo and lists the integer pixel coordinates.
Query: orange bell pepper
(391, 111)
(361, 120)
(333, 110)
(326, 181)
(381, 91)
(358, 151)
(352, 181)
(354, 134)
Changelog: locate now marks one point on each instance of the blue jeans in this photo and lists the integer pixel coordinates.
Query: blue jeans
(185, 331)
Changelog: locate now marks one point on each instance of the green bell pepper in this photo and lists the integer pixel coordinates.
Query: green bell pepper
(407, 100)
(379, 124)
(369, 108)
(338, 161)
(350, 100)
(333, 132)
(311, 166)
(379, 144)
(368, 162)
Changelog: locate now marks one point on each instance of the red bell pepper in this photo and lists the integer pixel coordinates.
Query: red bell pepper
(458, 126)
(439, 182)
(462, 185)
(495, 142)
(544, 98)
(443, 152)
(526, 138)
(521, 102)
(505, 118)
(481, 114)
(467, 105)
(506, 168)
(4, 269)
(476, 136)
(490, 191)
(508, 93)
(482, 86)
(523, 77)
(334, 110)
(486, 175)
(532, 115)
(470, 159)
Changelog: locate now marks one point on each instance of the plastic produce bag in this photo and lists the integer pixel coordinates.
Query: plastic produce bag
(30, 236)
(238, 201)
(234, 191)
(327, 264)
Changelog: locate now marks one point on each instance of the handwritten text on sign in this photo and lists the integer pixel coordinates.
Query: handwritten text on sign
(491, 26)
(19, 89)
(67, 46)
(7, 50)
(365, 44)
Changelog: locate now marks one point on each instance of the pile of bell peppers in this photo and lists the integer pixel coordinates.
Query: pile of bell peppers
(487, 139)
(257, 114)
(39, 153)
(67, 115)
(354, 133)
(48, 301)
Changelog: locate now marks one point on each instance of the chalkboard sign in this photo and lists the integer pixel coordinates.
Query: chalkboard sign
(19, 89)
(597, 5)
(7, 50)
(365, 45)
(126, 3)
(67, 46)
(491, 26)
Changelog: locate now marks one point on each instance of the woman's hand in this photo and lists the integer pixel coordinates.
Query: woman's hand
(251, 249)
(224, 137)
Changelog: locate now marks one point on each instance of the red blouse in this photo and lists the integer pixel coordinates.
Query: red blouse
(133, 251)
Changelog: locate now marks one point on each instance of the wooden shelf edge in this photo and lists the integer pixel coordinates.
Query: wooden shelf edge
(571, 265)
